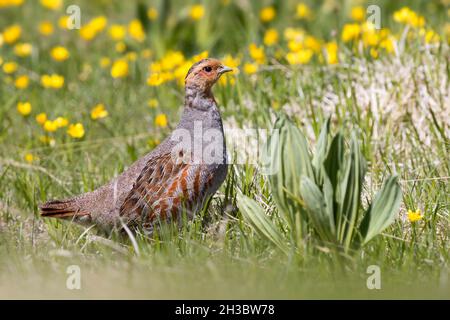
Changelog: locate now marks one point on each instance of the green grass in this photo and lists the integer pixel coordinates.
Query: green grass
(397, 105)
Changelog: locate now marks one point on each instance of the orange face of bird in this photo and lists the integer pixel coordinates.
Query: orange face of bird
(205, 73)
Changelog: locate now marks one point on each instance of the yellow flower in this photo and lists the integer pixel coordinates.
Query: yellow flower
(136, 30)
(21, 82)
(267, 14)
(117, 32)
(270, 37)
(50, 126)
(406, 16)
(9, 67)
(200, 56)
(120, 47)
(24, 108)
(29, 157)
(300, 57)
(414, 216)
(331, 52)
(358, 13)
(155, 79)
(59, 53)
(303, 11)
(90, 30)
(1, 40)
(257, 53)
(52, 4)
(61, 122)
(197, 12)
(47, 140)
(99, 112)
(98, 23)
(350, 32)
(231, 62)
(76, 130)
(146, 53)
(161, 120)
(152, 13)
(63, 22)
(313, 44)
(45, 28)
(105, 62)
(430, 36)
(250, 68)
(23, 49)
(10, 3)
(54, 81)
(12, 33)
(153, 103)
(41, 118)
(294, 34)
(131, 56)
(119, 69)
(374, 53)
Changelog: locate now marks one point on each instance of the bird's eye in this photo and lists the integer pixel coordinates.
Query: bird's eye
(207, 69)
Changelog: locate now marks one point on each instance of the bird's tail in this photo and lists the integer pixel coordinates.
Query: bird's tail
(61, 209)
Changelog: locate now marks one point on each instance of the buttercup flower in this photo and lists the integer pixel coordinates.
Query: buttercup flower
(136, 30)
(270, 37)
(267, 14)
(45, 28)
(358, 13)
(21, 82)
(153, 103)
(350, 32)
(41, 118)
(414, 216)
(28, 157)
(303, 11)
(152, 13)
(76, 131)
(54, 81)
(61, 122)
(161, 120)
(50, 126)
(117, 32)
(105, 62)
(99, 112)
(250, 68)
(12, 33)
(9, 67)
(302, 56)
(52, 4)
(59, 53)
(119, 69)
(197, 12)
(23, 49)
(257, 53)
(24, 108)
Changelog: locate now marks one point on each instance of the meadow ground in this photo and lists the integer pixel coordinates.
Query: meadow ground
(79, 106)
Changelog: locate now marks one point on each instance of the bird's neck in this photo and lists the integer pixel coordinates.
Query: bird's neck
(200, 106)
(199, 98)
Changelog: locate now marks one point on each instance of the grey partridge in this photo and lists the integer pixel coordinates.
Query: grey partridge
(173, 178)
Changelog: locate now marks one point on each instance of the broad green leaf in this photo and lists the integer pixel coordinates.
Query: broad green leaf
(349, 193)
(289, 160)
(317, 209)
(321, 152)
(335, 159)
(382, 211)
(255, 215)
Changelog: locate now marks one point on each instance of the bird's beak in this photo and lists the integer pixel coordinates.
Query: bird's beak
(224, 69)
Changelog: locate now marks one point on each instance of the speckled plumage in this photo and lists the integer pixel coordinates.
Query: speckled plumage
(160, 185)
